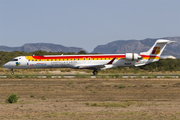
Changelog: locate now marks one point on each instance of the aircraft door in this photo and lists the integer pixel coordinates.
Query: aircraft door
(22, 61)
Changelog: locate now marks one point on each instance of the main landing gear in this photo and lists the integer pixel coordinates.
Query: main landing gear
(95, 72)
(12, 72)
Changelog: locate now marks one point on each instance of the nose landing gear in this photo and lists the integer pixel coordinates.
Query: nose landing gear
(12, 72)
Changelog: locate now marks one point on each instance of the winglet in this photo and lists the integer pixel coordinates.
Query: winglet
(111, 61)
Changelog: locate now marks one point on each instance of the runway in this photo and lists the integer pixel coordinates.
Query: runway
(90, 76)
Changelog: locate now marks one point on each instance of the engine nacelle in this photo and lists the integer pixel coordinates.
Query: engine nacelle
(132, 56)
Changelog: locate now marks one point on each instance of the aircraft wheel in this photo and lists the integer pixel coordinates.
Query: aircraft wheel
(12, 73)
(95, 72)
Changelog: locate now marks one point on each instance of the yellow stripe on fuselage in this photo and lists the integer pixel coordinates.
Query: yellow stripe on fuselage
(156, 57)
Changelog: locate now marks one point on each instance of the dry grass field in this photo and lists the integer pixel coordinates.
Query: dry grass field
(91, 98)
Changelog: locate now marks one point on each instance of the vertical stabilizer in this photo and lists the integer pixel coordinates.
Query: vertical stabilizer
(157, 48)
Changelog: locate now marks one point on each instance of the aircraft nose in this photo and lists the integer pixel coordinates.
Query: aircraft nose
(5, 65)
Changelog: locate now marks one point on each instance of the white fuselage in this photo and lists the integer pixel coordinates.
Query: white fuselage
(73, 61)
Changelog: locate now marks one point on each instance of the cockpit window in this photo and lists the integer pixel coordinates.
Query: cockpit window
(14, 60)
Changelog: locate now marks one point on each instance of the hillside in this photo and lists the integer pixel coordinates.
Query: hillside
(137, 46)
(115, 47)
(30, 47)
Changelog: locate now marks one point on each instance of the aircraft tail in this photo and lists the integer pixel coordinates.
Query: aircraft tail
(157, 49)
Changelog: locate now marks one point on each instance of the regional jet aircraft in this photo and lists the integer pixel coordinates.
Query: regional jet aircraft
(95, 62)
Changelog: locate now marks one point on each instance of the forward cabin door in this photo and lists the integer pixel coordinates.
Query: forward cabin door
(23, 61)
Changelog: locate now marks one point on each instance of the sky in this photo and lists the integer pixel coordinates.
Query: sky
(86, 23)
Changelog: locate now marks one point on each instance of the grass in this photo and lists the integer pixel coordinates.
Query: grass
(147, 85)
(78, 75)
(115, 104)
(94, 91)
(43, 98)
(69, 114)
(18, 76)
(152, 76)
(70, 82)
(166, 76)
(48, 76)
(121, 86)
(53, 114)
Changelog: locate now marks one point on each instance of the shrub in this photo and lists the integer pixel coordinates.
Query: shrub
(13, 98)
(31, 96)
(121, 86)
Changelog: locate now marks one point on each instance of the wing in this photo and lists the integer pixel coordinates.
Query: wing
(96, 67)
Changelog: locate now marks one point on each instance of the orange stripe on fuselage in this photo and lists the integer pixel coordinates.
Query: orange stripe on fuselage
(149, 57)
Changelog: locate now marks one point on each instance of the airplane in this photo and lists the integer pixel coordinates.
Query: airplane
(95, 62)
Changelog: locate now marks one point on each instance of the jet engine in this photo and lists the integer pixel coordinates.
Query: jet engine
(132, 56)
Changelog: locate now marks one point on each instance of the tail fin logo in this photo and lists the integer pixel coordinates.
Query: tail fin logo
(156, 50)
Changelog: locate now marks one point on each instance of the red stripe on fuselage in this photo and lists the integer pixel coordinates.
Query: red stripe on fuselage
(147, 56)
(72, 57)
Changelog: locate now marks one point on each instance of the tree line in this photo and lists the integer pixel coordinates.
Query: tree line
(162, 65)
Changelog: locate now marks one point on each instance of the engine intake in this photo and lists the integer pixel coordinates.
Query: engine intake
(132, 56)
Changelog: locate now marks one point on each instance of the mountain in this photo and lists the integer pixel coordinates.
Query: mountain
(115, 47)
(137, 46)
(30, 47)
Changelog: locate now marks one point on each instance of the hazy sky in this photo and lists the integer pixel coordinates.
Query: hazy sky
(86, 23)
